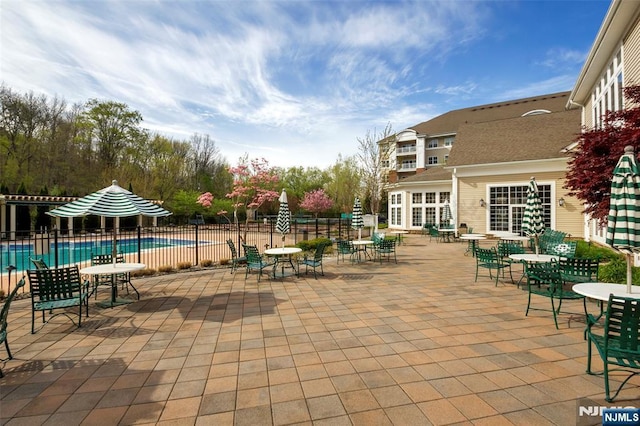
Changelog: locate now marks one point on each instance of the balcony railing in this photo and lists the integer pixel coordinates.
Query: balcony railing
(407, 166)
(408, 149)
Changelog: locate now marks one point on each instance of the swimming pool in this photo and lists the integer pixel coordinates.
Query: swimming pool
(70, 252)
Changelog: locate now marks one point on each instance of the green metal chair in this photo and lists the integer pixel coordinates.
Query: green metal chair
(545, 279)
(619, 343)
(255, 261)
(433, 233)
(235, 260)
(345, 247)
(4, 315)
(507, 248)
(387, 248)
(565, 249)
(39, 263)
(316, 261)
(489, 259)
(124, 279)
(579, 270)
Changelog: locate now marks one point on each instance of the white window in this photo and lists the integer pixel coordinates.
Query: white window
(430, 197)
(448, 141)
(396, 209)
(507, 203)
(416, 198)
(432, 160)
(607, 95)
(433, 143)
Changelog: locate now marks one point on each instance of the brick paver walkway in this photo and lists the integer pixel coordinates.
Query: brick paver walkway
(414, 343)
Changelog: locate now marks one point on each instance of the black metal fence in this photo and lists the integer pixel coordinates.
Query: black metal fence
(157, 247)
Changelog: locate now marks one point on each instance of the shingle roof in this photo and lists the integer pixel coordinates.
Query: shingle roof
(533, 137)
(450, 121)
(432, 174)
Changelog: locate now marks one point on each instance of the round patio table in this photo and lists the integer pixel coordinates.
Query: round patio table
(472, 238)
(280, 252)
(361, 247)
(114, 269)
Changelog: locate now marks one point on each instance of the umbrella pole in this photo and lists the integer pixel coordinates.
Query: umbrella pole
(114, 250)
(629, 273)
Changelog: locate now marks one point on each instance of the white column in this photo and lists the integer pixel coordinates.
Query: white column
(3, 216)
(70, 226)
(420, 153)
(12, 222)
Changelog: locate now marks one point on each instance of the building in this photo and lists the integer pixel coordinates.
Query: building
(480, 160)
(612, 64)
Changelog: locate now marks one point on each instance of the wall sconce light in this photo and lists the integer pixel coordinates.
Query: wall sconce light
(561, 202)
(482, 203)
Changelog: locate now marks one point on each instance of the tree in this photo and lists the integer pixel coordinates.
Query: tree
(253, 185)
(113, 127)
(374, 151)
(316, 201)
(598, 151)
(344, 183)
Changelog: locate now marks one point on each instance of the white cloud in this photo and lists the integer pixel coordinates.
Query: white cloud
(264, 76)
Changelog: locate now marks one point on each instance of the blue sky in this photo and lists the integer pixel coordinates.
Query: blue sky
(296, 82)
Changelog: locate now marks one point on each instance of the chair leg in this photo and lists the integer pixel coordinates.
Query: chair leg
(555, 318)
(6, 345)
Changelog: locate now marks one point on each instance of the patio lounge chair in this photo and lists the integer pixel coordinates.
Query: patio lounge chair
(4, 315)
(619, 343)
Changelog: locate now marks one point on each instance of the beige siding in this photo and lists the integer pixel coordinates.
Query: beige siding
(568, 219)
(631, 49)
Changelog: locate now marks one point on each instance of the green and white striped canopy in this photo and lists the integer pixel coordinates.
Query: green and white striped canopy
(283, 222)
(532, 220)
(112, 201)
(357, 221)
(623, 226)
(446, 213)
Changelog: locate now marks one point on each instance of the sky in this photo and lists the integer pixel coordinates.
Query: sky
(295, 82)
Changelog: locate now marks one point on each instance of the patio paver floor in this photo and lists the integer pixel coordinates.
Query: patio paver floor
(418, 342)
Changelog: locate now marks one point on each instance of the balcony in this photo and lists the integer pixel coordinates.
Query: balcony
(406, 150)
(407, 166)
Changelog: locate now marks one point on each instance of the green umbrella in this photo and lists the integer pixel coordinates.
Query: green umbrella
(532, 220)
(623, 226)
(112, 201)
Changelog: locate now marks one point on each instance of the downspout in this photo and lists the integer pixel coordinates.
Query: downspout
(454, 199)
(588, 222)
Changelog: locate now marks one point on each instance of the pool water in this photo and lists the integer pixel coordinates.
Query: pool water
(75, 252)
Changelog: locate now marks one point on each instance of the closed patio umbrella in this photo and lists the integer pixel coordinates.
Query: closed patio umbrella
(357, 221)
(532, 221)
(283, 222)
(112, 201)
(623, 225)
(446, 213)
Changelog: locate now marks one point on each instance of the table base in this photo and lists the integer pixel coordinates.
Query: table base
(111, 303)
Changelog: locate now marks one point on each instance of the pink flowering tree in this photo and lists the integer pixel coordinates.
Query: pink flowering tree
(316, 201)
(205, 200)
(254, 184)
